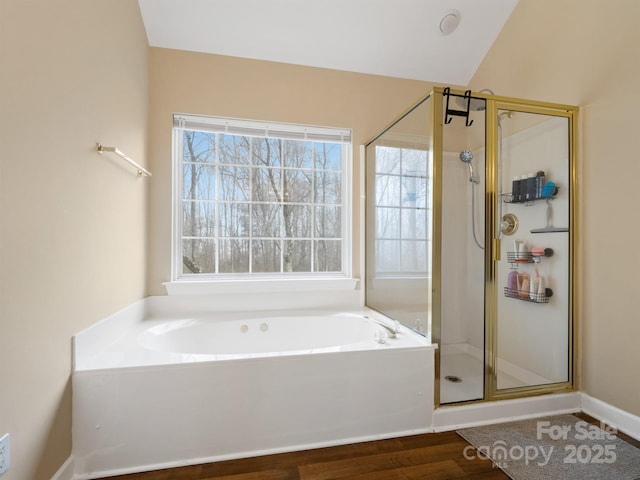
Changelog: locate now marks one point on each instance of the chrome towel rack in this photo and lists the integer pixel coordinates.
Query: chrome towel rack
(141, 170)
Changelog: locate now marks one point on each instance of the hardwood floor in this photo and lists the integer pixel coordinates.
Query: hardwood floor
(436, 456)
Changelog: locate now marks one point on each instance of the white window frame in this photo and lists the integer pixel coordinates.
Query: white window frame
(239, 282)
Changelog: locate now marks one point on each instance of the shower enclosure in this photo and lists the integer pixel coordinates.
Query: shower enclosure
(470, 239)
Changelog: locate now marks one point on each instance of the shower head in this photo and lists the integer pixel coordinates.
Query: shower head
(474, 104)
(467, 157)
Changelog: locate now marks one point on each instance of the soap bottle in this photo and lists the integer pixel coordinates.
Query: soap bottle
(512, 283)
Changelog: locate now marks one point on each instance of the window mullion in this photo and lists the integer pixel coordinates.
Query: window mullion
(312, 207)
(251, 203)
(216, 205)
(283, 227)
(400, 213)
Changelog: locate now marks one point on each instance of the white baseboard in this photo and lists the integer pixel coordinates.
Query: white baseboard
(455, 417)
(66, 471)
(624, 422)
(486, 413)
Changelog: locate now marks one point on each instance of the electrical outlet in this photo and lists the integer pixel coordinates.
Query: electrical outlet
(4, 453)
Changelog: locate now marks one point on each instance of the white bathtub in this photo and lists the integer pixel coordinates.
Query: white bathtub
(158, 391)
(297, 332)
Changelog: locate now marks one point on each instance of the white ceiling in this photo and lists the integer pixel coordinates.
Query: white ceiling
(397, 38)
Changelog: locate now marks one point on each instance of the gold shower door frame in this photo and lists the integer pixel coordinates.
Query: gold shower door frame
(492, 255)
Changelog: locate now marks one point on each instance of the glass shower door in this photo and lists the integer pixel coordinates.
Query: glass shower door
(534, 274)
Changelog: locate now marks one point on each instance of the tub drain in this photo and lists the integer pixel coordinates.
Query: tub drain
(453, 378)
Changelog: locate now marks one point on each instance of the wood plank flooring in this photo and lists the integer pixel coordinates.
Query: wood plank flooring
(436, 456)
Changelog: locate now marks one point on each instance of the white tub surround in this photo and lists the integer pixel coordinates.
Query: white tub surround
(148, 397)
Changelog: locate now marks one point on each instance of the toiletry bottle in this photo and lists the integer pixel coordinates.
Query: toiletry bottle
(542, 292)
(533, 287)
(548, 189)
(531, 187)
(523, 285)
(519, 248)
(522, 197)
(539, 183)
(515, 188)
(512, 283)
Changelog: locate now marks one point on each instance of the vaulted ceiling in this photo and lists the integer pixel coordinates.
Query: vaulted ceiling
(397, 38)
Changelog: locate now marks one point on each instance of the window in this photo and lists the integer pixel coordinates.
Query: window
(265, 199)
(402, 213)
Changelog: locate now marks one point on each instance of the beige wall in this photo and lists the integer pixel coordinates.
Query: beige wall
(72, 223)
(226, 86)
(585, 52)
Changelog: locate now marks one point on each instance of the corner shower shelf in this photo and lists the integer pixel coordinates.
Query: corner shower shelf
(515, 257)
(508, 198)
(525, 296)
(527, 257)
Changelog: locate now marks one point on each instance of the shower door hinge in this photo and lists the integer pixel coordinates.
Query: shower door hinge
(496, 249)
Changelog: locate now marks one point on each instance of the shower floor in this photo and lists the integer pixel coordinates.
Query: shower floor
(466, 362)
